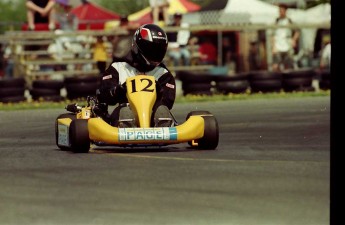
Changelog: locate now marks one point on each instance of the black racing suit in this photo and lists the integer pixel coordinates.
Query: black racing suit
(111, 93)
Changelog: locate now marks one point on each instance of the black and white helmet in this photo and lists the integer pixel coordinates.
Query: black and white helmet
(150, 44)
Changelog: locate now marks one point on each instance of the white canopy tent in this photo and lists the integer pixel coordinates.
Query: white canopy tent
(259, 12)
(256, 12)
(248, 11)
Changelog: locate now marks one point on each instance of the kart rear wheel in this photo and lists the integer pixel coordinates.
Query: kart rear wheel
(65, 115)
(79, 136)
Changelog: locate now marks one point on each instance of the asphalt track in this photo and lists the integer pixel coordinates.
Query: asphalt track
(272, 167)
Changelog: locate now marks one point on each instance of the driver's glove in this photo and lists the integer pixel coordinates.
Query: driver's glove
(101, 110)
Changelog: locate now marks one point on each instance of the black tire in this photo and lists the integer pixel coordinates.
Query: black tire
(296, 83)
(49, 98)
(235, 77)
(325, 75)
(48, 84)
(264, 75)
(79, 79)
(12, 91)
(197, 113)
(300, 89)
(65, 115)
(79, 136)
(269, 85)
(192, 77)
(208, 93)
(211, 134)
(237, 86)
(299, 73)
(12, 82)
(81, 90)
(188, 87)
(40, 92)
(13, 99)
(325, 85)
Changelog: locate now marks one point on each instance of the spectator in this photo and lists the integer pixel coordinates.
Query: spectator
(228, 57)
(325, 60)
(61, 48)
(122, 43)
(100, 54)
(193, 46)
(40, 11)
(67, 20)
(178, 42)
(160, 10)
(254, 58)
(284, 42)
(9, 60)
(208, 52)
(2, 61)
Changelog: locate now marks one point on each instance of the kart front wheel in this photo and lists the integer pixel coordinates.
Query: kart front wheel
(211, 134)
(79, 136)
(62, 116)
(211, 131)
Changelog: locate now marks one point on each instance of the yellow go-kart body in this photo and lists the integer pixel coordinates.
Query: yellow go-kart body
(77, 131)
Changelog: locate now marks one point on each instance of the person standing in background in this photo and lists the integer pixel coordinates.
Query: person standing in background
(9, 60)
(229, 55)
(325, 59)
(208, 52)
(178, 42)
(285, 40)
(254, 59)
(40, 11)
(67, 20)
(122, 43)
(160, 8)
(100, 54)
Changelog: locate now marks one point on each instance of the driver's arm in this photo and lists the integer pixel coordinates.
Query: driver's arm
(166, 92)
(109, 83)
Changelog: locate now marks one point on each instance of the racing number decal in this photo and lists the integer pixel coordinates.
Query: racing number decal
(147, 88)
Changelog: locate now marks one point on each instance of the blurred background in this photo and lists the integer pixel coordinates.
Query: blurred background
(219, 40)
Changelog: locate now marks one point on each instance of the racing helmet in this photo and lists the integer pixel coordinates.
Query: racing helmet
(149, 44)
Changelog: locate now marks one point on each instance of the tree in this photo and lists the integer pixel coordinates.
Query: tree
(124, 7)
(127, 7)
(12, 15)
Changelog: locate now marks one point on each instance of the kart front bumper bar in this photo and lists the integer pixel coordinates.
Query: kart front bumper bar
(100, 131)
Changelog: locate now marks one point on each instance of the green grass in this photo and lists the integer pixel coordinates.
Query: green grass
(180, 99)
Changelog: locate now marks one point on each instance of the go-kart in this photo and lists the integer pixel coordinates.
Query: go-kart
(81, 128)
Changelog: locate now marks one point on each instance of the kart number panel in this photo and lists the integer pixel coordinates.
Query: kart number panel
(148, 134)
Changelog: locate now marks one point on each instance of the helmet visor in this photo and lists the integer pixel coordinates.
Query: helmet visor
(153, 52)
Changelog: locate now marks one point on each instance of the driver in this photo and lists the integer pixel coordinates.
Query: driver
(149, 45)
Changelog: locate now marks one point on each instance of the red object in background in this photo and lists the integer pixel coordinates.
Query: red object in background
(208, 53)
(144, 16)
(92, 16)
(39, 27)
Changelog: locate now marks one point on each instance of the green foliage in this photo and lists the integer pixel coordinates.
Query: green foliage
(311, 4)
(127, 7)
(124, 7)
(12, 15)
